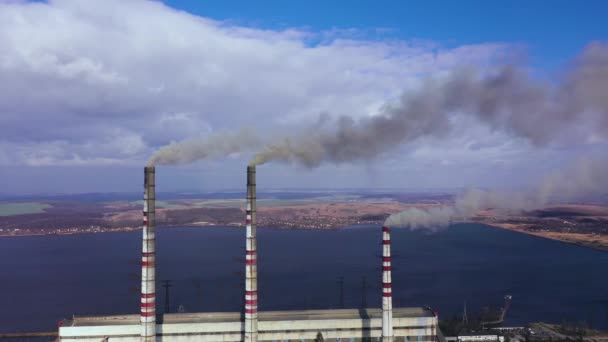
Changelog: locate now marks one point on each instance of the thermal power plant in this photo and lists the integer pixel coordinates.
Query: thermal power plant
(249, 325)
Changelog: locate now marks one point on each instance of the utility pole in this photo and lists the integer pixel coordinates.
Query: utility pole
(363, 292)
(341, 290)
(167, 284)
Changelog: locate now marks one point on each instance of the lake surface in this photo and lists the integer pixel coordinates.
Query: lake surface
(46, 278)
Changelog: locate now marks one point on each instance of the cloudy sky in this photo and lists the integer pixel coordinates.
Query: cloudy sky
(90, 89)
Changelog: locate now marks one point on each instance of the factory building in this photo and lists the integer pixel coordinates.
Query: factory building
(409, 324)
(387, 324)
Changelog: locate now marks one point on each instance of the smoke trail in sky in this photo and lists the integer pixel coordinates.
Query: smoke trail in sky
(212, 147)
(573, 108)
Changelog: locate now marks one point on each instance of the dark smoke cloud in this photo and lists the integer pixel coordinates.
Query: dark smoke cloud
(571, 109)
(215, 146)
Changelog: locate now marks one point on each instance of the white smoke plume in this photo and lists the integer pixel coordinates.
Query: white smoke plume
(584, 179)
(574, 108)
(215, 146)
(465, 206)
(587, 178)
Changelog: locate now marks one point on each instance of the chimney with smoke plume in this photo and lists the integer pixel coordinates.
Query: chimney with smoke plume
(507, 99)
(387, 284)
(148, 269)
(251, 272)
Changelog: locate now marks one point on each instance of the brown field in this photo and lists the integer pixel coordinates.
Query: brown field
(587, 240)
(316, 213)
(585, 225)
(328, 216)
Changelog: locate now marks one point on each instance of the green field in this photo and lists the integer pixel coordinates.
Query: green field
(219, 203)
(163, 205)
(240, 203)
(233, 203)
(12, 209)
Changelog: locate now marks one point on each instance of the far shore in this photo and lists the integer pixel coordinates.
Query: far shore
(594, 241)
(26, 232)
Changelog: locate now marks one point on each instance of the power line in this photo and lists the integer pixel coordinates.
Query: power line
(364, 292)
(167, 284)
(341, 291)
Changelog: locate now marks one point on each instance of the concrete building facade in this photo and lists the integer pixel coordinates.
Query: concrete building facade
(409, 324)
(148, 258)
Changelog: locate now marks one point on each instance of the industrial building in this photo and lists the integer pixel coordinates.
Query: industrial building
(386, 324)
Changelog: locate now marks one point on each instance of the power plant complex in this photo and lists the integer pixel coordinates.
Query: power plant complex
(387, 324)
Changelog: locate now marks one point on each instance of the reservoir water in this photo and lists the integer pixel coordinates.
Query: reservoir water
(46, 278)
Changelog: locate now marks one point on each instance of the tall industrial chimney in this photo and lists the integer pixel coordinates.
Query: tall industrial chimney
(148, 268)
(387, 291)
(251, 269)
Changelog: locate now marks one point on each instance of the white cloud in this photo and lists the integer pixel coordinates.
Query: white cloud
(108, 81)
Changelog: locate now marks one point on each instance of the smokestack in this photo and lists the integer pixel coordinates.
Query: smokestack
(251, 269)
(387, 291)
(148, 268)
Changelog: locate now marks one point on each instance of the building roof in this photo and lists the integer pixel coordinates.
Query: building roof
(213, 317)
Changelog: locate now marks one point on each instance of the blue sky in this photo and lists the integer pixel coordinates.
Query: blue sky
(552, 31)
(90, 90)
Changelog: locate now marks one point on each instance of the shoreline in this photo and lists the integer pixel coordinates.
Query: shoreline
(49, 233)
(130, 229)
(599, 242)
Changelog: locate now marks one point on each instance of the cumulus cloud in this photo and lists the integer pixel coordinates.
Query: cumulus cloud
(111, 81)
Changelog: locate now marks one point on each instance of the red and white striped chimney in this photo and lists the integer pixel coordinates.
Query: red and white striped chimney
(251, 269)
(387, 290)
(148, 269)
